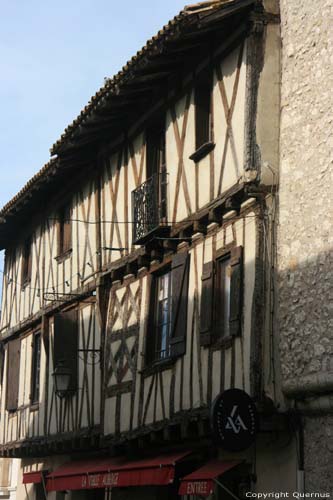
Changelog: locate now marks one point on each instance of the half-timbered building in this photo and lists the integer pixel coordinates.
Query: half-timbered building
(139, 275)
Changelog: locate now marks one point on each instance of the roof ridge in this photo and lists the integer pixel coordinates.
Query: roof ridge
(206, 5)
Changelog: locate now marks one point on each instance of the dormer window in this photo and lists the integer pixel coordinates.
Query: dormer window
(64, 230)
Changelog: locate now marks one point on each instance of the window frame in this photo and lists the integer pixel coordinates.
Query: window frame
(211, 291)
(151, 357)
(179, 267)
(35, 368)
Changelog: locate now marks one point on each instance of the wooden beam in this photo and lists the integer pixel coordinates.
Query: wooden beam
(215, 216)
(199, 227)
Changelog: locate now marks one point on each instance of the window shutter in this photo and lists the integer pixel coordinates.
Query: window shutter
(207, 301)
(67, 230)
(202, 113)
(66, 343)
(13, 374)
(236, 290)
(29, 260)
(150, 325)
(5, 469)
(180, 277)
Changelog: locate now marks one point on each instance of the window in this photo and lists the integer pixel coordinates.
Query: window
(64, 230)
(13, 373)
(221, 297)
(167, 320)
(162, 314)
(35, 368)
(155, 148)
(202, 111)
(156, 162)
(26, 261)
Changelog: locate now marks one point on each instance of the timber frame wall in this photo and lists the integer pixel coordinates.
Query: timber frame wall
(214, 204)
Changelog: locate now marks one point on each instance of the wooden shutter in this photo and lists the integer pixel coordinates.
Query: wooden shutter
(179, 285)
(13, 374)
(66, 343)
(236, 290)
(150, 324)
(5, 469)
(27, 261)
(64, 230)
(207, 302)
(67, 230)
(202, 113)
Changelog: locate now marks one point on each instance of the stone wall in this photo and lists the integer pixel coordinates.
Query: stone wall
(305, 234)
(306, 200)
(318, 453)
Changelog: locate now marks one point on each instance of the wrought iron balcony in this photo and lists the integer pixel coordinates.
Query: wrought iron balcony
(149, 202)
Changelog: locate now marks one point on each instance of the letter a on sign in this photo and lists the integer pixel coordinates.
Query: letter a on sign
(234, 420)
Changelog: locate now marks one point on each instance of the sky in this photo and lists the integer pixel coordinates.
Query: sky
(53, 57)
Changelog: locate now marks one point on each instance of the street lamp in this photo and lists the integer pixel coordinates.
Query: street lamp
(62, 378)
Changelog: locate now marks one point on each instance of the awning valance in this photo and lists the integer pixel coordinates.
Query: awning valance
(201, 481)
(115, 472)
(34, 477)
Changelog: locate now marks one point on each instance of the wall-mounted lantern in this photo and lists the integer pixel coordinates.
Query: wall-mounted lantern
(62, 378)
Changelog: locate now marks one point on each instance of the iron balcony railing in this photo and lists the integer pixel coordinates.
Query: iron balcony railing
(149, 202)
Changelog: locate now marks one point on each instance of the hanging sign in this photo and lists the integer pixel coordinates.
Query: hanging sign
(234, 420)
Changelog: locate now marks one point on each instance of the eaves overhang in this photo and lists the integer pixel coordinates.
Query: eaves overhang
(161, 57)
(143, 69)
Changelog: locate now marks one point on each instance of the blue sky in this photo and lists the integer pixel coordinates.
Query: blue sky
(53, 58)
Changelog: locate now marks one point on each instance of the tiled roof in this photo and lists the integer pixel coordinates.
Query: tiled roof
(152, 46)
(39, 176)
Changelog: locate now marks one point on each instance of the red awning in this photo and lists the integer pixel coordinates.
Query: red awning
(201, 481)
(34, 477)
(114, 472)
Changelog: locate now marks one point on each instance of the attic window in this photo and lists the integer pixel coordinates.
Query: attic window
(203, 121)
(64, 230)
(26, 261)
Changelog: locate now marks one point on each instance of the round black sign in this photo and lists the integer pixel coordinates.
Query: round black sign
(234, 420)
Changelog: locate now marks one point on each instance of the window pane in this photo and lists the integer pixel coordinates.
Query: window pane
(163, 316)
(222, 305)
(226, 296)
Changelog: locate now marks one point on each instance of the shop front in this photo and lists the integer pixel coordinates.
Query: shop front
(163, 477)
